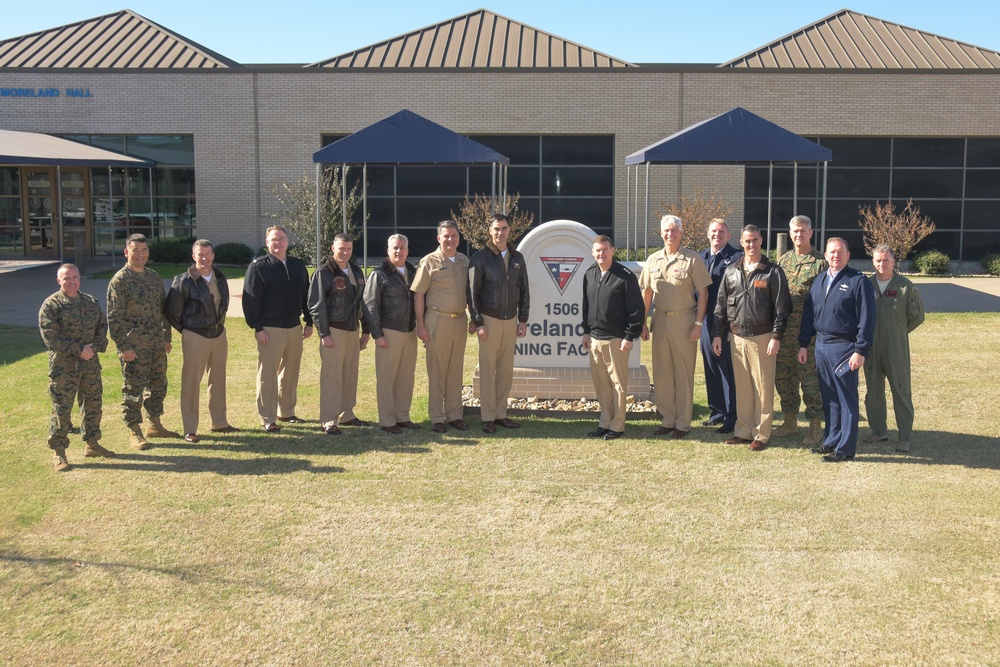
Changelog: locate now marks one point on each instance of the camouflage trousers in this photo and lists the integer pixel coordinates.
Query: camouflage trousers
(70, 379)
(790, 376)
(144, 384)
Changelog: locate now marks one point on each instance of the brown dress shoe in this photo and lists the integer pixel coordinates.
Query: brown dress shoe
(738, 441)
(506, 423)
(407, 424)
(226, 429)
(439, 428)
(272, 428)
(292, 420)
(663, 430)
(331, 430)
(678, 434)
(395, 430)
(190, 437)
(459, 425)
(757, 445)
(489, 427)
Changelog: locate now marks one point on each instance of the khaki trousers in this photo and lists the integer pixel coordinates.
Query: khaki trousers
(673, 367)
(203, 355)
(609, 370)
(445, 365)
(278, 373)
(394, 369)
(338, 377)
(496, 367)
(753, 371)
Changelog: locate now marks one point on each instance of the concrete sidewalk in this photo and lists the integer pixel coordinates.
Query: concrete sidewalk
(22, 292)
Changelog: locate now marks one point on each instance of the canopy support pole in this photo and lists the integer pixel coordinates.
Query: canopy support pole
(822, 223)
(628, 220)
(645, 222)
(319, 176)
(770, 192)
(364, 211)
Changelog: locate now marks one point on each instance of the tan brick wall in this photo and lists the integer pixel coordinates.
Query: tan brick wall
(254, 129)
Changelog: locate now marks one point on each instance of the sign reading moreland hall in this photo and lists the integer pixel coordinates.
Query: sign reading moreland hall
(45, 92)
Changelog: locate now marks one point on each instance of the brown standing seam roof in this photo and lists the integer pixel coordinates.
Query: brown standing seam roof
(119, 40)
(849, 40)
(478, 39)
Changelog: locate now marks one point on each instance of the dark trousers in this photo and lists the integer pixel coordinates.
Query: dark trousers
(719, 381)
(841, 405)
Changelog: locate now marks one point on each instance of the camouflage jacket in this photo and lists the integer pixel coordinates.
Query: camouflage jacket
(68, 324)
(801, 271)
(135, 309)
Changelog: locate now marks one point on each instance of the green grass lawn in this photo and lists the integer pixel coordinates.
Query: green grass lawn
(536, 546)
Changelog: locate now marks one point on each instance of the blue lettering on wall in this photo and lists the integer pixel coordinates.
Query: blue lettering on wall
(45, 92)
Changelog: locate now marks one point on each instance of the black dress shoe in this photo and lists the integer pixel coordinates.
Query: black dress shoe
(226, 429)
(600, 432)
(723, 430)
(439, 428)
(613, 435)
(407, 424)
(489, 427)
(331, 430)
(822, 449)
(459, 425)
(834, 457)
(355, 422)
(506, 423)
(395, 430)
(292, 420)
(714, 421)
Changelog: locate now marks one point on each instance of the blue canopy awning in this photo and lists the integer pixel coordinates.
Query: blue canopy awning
(735, 137)
(407, 138)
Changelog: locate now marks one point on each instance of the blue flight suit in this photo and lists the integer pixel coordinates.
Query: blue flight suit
(718, 369)
(840, 313)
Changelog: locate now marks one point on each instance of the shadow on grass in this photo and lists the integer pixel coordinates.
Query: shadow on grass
(271, 465)
(76, 563)
(927, 448)
(19, 343)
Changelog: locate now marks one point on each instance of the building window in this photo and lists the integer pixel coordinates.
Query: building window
(159, 203)
(11, 229)
(954, 181)
(557, 176)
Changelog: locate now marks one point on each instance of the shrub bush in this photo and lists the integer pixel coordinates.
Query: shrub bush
(234, 254)
(992, 264)
(171, 251)
(931, 262)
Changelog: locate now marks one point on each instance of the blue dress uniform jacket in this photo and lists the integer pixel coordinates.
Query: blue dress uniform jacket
(840, 313)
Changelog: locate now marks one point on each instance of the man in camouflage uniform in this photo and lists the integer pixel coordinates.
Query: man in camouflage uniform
(142, 335)
(801, 266)
(74, 330)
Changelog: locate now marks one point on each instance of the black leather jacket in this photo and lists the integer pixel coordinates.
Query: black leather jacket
(497, 291)
(754, 304)
(333, 302)
(190, 305)
(388, 300)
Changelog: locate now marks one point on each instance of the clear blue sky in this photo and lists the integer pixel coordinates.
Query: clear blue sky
(661, 31)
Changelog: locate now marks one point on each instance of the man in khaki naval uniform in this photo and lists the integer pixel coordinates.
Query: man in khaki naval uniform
(898, 311)
(675, 282)
(439, 298)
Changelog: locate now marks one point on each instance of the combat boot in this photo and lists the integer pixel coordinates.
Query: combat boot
(788, 427)
(815, 435)
(62, 465)
(157, 430)
(93, 450)
(137, 440)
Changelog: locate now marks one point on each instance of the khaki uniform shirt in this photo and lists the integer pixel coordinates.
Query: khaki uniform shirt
(675, 280)
(443, 282)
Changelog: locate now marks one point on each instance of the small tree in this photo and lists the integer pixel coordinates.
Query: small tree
(298, 212)
(901, 231)
(475, 215)
(696, 210)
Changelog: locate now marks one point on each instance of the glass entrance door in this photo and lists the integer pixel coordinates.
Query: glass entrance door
(40, 202)
(76, 231)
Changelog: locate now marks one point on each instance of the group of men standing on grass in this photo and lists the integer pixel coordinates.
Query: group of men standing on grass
(739, 305)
